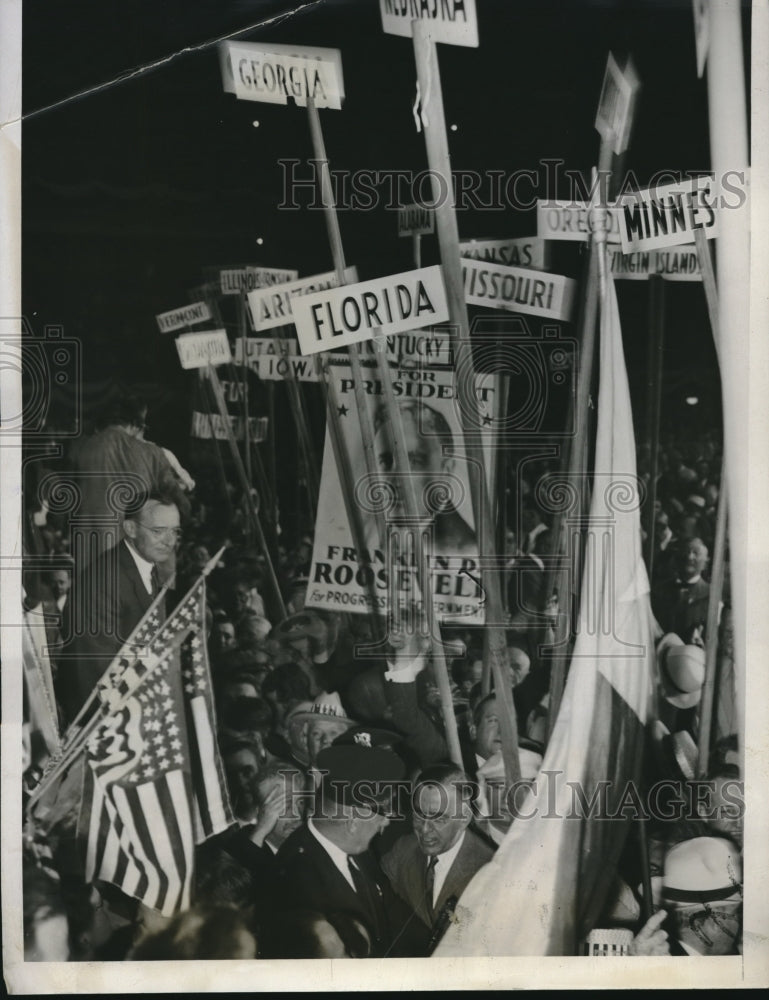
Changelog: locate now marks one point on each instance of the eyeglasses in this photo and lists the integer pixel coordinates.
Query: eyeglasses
(161, 532)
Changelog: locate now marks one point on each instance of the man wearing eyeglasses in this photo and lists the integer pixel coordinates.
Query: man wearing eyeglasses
(111, 596)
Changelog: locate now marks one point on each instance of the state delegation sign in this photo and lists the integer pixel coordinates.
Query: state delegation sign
(213, 426)
(668, 215)
(615, 107)
(271, 307)
(569, 220)
(208, 347)
(525, 251)
(673, 264)
(338, 317)
(517, 289)
(234, 280)
(275, 359)
(451, 21)
(176, 319)
(415, 220)
(275, 73)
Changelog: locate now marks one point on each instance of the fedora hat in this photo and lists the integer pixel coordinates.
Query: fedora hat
(682, 670)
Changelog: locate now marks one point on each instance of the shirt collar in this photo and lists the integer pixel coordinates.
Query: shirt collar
(444, 861)
(143, 565)
(336, 854)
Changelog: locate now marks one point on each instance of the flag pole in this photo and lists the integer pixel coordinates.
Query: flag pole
(708, 283)
(654, 404)
(711, 634)
(576, 464)
(77, 740)
(436, 144)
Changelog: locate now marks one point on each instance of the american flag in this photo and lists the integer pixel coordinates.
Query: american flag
(212, 811)
(155, 782)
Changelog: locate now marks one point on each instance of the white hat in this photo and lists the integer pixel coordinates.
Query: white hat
(703, 870)
(682, 670)
(493, 769)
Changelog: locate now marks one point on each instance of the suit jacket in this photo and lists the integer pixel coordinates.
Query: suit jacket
(312, 881)
(103, 459)
(681, 607)
(105, 604)
(405, 866)
(260, 863)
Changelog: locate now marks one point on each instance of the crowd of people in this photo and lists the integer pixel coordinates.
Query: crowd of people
(307, 869)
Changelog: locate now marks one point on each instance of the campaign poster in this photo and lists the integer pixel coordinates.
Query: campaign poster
(426, 399)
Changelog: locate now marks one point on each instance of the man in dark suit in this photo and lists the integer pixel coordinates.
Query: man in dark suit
(435, 863)
(327, 864)
(680, 605)
(110, 597)
(282, 791)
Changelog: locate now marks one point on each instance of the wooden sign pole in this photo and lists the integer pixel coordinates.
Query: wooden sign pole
(255, 520)
(337, 253)
(300, 419)
(417, 238)
(367, 432)
(436, 142)
(243, 324)
(424, 577)
(266, 495)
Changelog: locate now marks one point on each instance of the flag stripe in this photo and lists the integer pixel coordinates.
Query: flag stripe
(146, 817)
(96, 797)
(205, 756)
(141, 842)
(186, 842)
(156, 816)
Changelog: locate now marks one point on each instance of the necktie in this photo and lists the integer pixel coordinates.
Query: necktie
(155, 578)
(368, 895)
(359, 880)
(430, 882)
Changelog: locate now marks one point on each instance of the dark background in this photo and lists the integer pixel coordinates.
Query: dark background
(131, 190)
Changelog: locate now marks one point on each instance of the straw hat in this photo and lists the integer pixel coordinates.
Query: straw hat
(327, 707)
(682, 670)
(702, 870)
